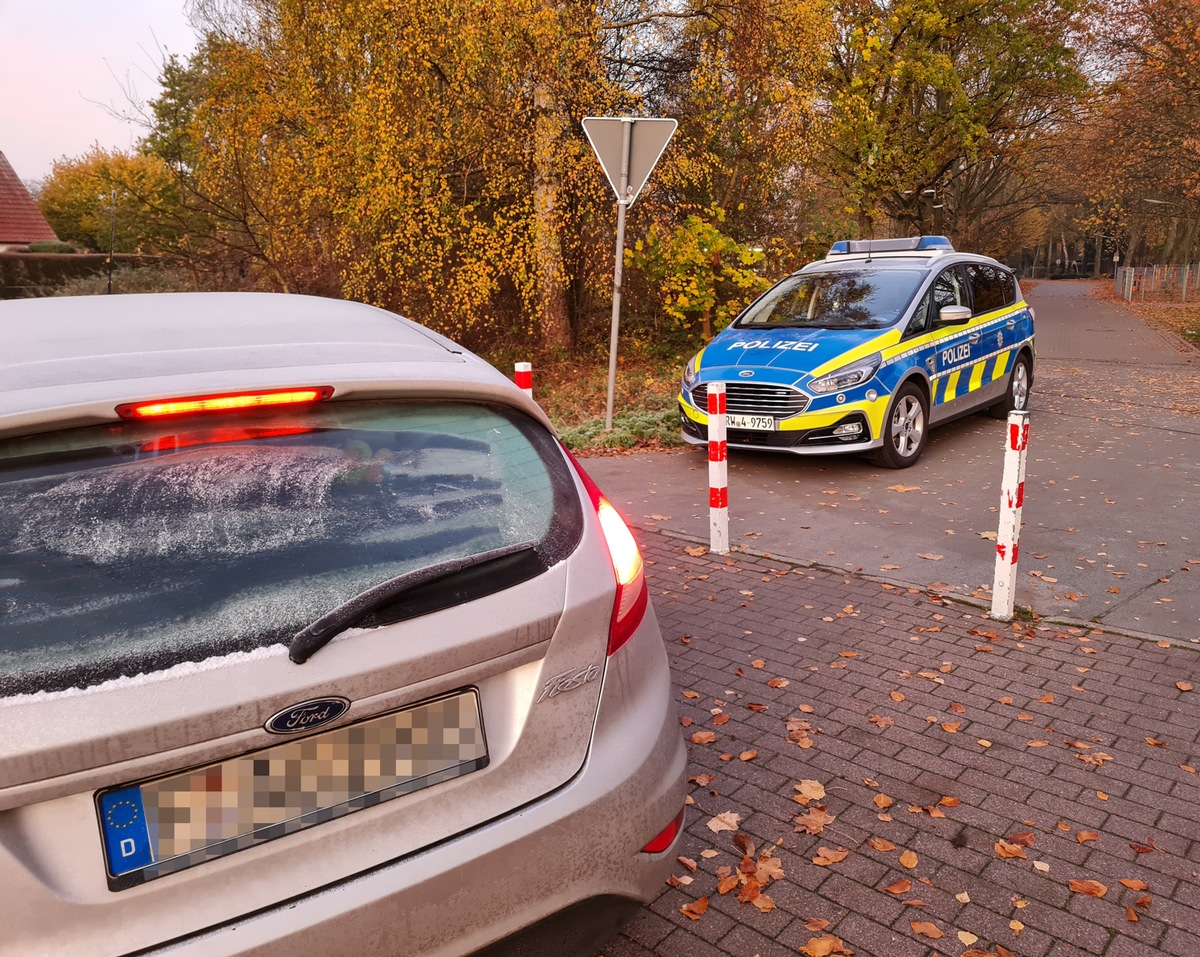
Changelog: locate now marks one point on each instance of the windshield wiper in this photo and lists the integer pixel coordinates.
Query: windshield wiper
(313, 638)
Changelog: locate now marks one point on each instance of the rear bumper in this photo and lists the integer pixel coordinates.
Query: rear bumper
(568, 865)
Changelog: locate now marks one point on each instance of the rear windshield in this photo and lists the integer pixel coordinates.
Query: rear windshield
(841, 299)
(135, 547)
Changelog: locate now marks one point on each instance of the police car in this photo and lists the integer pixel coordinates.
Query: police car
(865, 350)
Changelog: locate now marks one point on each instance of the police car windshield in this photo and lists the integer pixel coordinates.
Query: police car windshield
(835, 299)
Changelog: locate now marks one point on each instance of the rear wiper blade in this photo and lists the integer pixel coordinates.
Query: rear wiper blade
(314, 637)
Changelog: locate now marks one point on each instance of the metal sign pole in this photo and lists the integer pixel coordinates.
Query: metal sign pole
(618, 267)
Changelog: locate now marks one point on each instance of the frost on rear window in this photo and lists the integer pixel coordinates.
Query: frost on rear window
(124, 550)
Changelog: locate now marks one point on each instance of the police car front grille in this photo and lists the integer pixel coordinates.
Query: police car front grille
(755, 398)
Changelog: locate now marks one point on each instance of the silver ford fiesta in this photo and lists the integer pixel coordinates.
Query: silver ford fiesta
(313, 641)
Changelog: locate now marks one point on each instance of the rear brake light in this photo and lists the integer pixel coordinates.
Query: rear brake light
(226, 402)
(633, 597)
(665, 836)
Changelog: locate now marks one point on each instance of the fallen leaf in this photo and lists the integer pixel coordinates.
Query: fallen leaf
(728, 883)
(769, 868)
(748, 755)
(1155, 743)
(1084, 836)
(697, 551)
(726, 821)
(709, 853)
(1134, 884)
(897, 695)
(814, 820)
(1090, 888)
(704, 780)
(1008, 851)
(704, 737)
(902, 886)
(847, 654)
(881, 721)
(949, 801)
(967, 938)
(695, 910)
(1047, 698)
(1024, 838)
(882, 801)
(809, 791)
(816, 924)
(881, 844)
(1184, 685)
(827, 945)
(909, 859)
(951, 727)
(1016, 927)
(778, 683)
(1144, 848)
(826, 856)
(1041, 866)
(763, 903)
(1131, 915)
(758, 663)
(1036, 744)
(930, 556)
(691, 694)
(926, 929)
(688, 863)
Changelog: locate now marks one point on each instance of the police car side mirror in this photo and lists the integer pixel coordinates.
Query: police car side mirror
(953, 315)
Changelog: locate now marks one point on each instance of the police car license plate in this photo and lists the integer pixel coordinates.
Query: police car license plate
(760, 423)
(168, 824)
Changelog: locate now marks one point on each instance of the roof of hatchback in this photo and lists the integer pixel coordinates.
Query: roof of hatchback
(88, 352)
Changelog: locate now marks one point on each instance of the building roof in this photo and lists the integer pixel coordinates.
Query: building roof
(20, 219)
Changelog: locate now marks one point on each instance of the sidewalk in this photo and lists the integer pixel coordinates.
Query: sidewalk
(962, 773)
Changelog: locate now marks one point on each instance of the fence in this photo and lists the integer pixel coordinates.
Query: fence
(1161, 283)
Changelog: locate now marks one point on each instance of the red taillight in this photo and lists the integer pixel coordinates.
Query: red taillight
(632, 594)
(226, 402)
(665, 836)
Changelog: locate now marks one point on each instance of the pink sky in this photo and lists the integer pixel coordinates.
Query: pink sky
(64, 64)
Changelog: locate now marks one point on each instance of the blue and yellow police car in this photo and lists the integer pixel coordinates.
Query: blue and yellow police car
(865, 350)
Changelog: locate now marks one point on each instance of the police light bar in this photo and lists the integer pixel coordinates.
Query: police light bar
(845, 247)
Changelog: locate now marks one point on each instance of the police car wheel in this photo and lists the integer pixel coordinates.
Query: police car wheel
(1016, 396)
(904, 430)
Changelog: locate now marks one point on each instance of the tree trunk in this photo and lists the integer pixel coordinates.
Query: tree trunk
(552, 278)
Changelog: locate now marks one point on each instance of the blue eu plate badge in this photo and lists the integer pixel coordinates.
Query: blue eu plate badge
(126, 837)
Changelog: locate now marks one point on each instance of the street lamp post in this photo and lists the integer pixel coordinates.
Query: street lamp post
(112, 235)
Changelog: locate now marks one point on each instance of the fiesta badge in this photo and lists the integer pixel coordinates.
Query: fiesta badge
(307, 715)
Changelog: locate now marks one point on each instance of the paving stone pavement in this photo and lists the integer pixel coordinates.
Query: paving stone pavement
(1075, 746)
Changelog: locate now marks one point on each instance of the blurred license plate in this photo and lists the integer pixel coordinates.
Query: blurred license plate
(761, 423)
(168, 824)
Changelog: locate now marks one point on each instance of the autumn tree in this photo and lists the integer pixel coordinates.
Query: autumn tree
(1139, 151)
(107, 196)
(940, 102)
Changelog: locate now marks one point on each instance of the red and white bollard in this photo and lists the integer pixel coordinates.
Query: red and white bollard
(718, 471)
(1012, 497)
(523, 373)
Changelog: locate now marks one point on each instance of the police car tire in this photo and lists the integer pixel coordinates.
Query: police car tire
(1008, 404)
(889, 456)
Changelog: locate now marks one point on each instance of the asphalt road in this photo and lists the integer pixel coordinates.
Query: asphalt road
(1111, 529)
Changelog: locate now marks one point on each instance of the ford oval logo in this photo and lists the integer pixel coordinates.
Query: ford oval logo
(747, 373)
(307, 715)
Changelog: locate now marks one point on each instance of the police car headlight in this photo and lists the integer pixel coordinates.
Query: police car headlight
(689, 373)
(848, 376)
